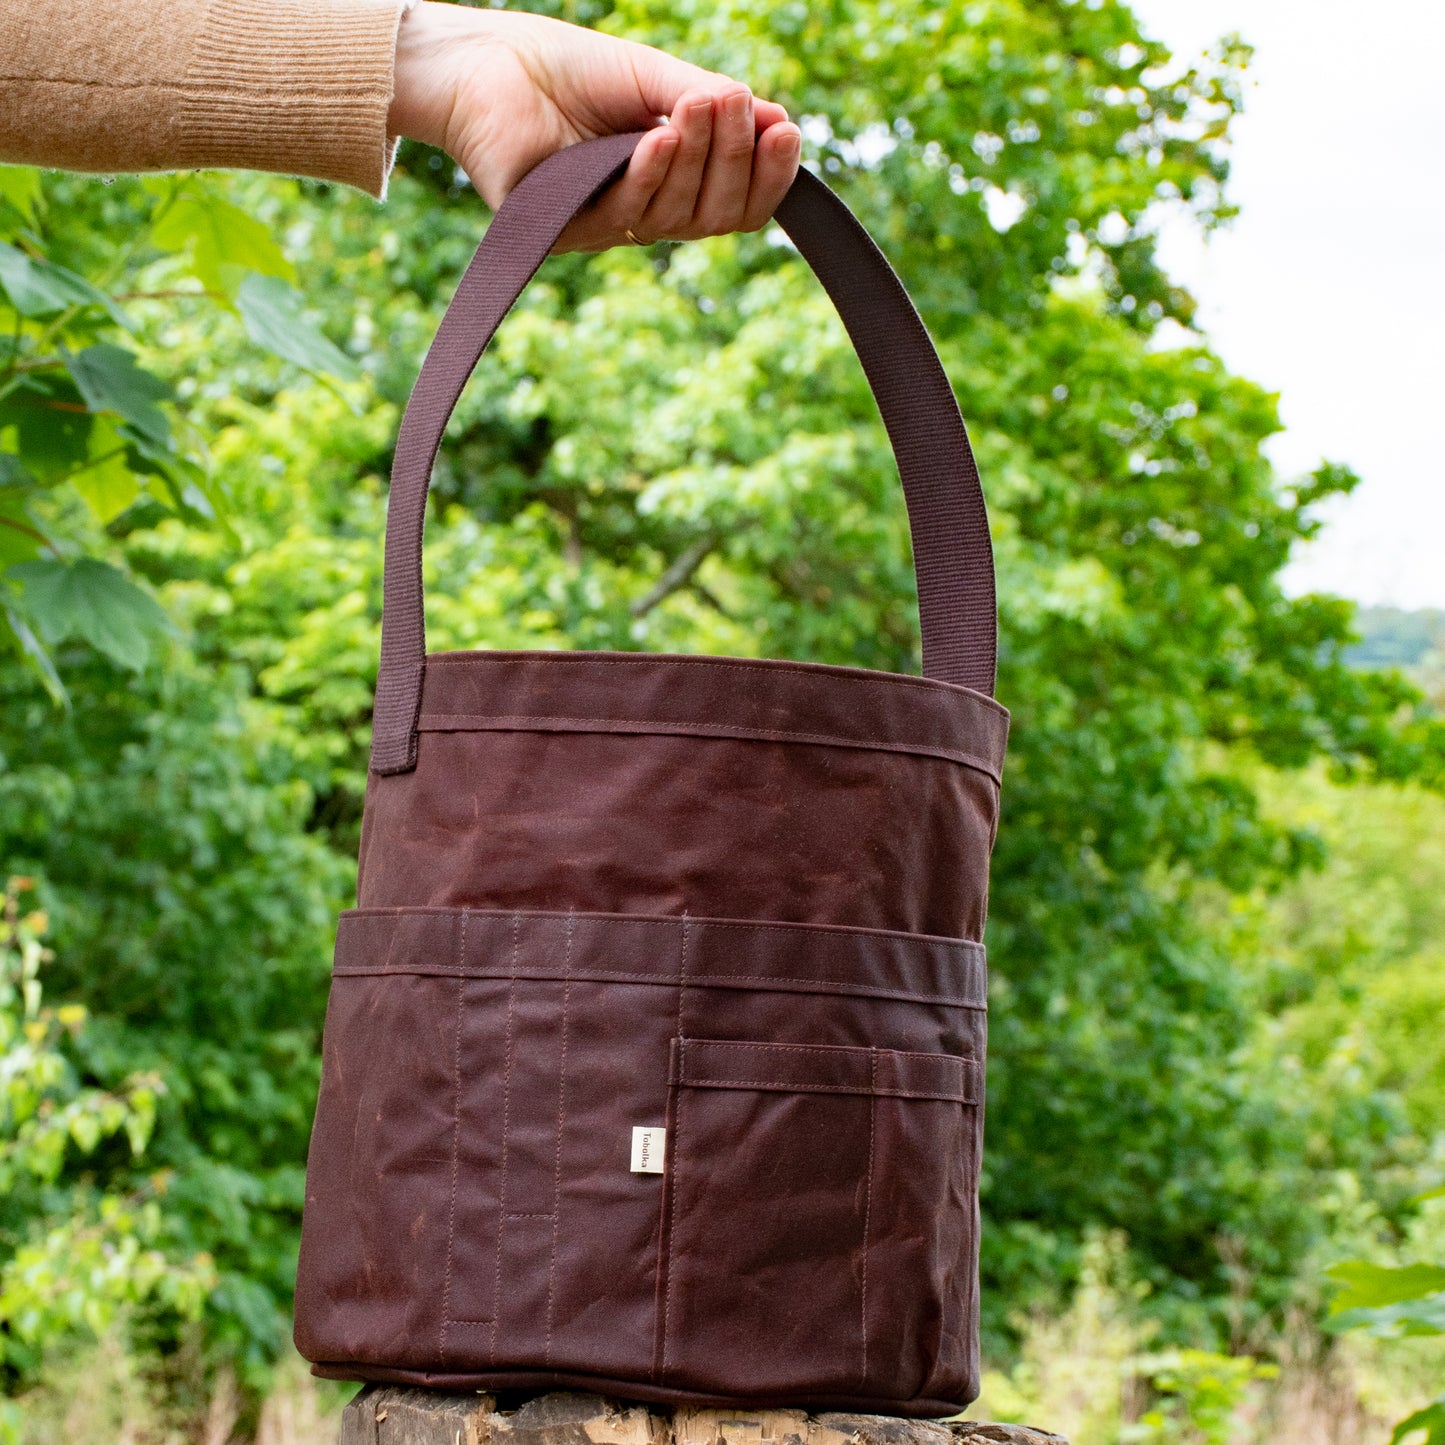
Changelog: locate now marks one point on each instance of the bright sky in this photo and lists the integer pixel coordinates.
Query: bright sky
(1328, 287)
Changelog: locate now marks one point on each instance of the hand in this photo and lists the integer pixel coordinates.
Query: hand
(500, 91)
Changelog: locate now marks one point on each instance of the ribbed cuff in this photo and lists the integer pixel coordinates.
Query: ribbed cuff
(300, 87)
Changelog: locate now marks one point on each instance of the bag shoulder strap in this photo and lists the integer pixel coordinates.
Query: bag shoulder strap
(952, 554)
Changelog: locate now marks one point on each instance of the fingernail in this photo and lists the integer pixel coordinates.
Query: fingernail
(791, 143)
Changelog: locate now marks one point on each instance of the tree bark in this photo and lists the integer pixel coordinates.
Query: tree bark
(397, 1415)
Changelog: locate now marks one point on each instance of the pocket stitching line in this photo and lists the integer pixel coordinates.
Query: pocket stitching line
(506, 1126)
(720, 664)
(905, 937)
(561, 1128)
(861, 1091)
(456, 1148)
(677, 1126)
(717, 980)
(868, 1214)
(626, 727)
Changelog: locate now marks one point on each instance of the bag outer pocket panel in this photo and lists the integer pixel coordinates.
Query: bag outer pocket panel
(470, 1208)
(380, 1186)
(820, 1153)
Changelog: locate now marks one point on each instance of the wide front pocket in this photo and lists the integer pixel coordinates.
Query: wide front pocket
(820, 1225)
(474, 1216)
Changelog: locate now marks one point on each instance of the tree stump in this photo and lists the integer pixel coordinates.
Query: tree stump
(399, 1415)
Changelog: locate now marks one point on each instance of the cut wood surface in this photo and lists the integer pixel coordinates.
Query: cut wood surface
(399, 1415)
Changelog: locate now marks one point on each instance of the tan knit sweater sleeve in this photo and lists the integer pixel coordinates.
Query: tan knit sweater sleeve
(296, 86)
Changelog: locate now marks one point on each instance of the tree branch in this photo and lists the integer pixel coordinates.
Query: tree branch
(28, 531)
(677, 576)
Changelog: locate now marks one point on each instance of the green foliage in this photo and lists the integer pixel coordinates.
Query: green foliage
(274, 319)
(1431, 1420)
(1389, 1302)
(225, 245)
(1197, 1396)
(1395, 1303)
(1088, 1372)
(1347, 955)
(1370, 1286)
(72, 1256)
(193, 910)
(35, 287)
(109, 380)
(84, 419)
(43, 1119)
(94, 602)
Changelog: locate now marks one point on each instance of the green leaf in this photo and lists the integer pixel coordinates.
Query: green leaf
(20, 185)
(110, 379)
(52, 424)
(193, 490)
(108, 486)
(20, 538)
(85, 1129)
(36, 657)
(1431, 1419)
(40, 288)
(13, 472)
(1369, 1286)
(1408, 1319)
(272, 311)
(92, 601)
(225, 243)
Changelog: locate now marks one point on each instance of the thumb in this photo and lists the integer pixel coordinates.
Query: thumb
(662, 79)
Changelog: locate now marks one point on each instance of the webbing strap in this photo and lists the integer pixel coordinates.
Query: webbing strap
(952, 554)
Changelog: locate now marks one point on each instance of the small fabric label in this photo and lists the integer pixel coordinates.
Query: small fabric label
(648, 1148)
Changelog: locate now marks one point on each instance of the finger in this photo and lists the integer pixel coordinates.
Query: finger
(606, 221)
(669, 213)
(768, 113)
(722, 199)
(775, 166)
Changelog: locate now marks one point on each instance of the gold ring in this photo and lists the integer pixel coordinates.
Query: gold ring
(634, 239)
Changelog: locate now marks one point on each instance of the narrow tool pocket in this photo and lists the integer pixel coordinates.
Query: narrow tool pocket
(818, 1218)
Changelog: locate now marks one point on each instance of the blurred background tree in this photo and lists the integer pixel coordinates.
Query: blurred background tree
(675, 449)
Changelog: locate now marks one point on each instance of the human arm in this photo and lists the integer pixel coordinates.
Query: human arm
(323, 87)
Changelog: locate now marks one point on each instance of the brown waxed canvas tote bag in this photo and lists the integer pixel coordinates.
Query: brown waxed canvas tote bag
(653, 1062)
